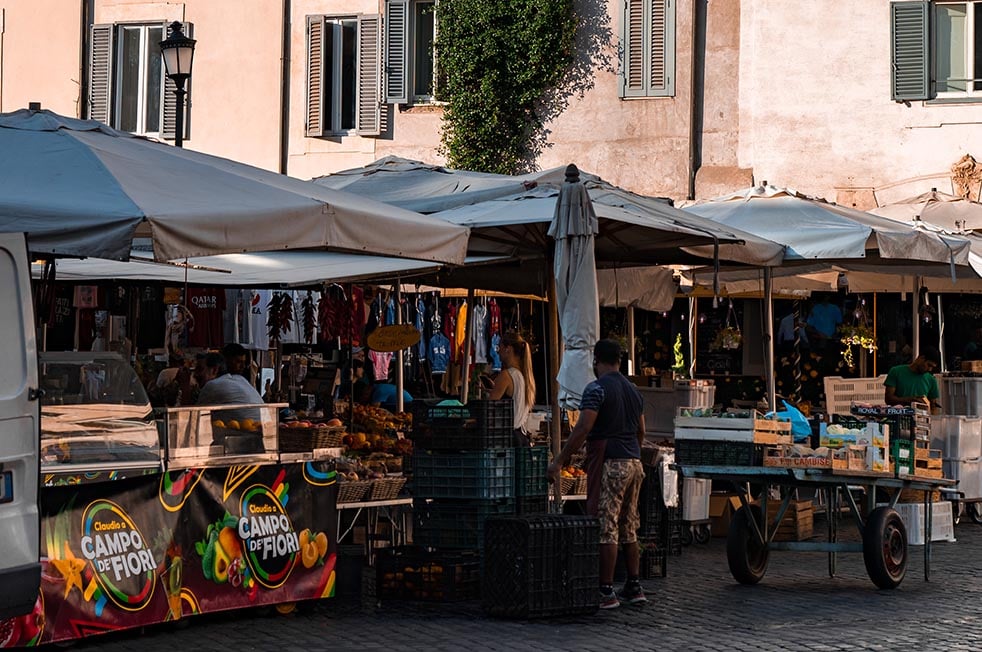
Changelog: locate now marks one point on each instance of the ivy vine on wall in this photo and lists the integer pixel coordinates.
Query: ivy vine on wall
(501, 64)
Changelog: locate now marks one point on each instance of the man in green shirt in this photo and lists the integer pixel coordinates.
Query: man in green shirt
(914, 382)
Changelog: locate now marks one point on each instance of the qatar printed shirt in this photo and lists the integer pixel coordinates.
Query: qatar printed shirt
(207, 307)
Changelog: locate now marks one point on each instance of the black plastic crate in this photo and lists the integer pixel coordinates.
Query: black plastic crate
(456, 523)
(479, 425)
(718, 453)
(415, 573)
(526, 505)
(657, 520)
(530, 471)
(469, 474)
(654, 558)
(539, 566)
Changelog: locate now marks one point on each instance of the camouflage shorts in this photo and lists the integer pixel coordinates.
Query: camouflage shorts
(618, 505)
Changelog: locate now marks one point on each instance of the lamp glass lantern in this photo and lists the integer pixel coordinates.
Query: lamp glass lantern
(178, 53)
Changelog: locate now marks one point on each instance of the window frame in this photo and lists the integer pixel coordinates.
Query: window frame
(143, 78)
(973, 86)
(647, 89)
(331, 108)
(399, 51)
(415, 98)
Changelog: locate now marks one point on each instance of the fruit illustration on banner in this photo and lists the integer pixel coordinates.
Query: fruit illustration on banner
(221, 554)
(23, 631)
(313, 548)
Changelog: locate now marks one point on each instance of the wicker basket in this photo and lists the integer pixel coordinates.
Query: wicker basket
(574, 486)
(352, 491)
(304, 440)
(328, 436)
(386, 488)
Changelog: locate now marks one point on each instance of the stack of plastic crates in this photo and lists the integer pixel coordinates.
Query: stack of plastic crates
(539, 566)
(463, 471)
(417, 573)
(660, 534)
(531, 483)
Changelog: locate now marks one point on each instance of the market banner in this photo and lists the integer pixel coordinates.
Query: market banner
(149, 549)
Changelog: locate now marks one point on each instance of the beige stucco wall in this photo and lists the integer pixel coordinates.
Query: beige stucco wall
(40, 55)
(816, 113)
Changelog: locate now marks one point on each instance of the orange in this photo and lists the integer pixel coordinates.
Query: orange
(234, 425)
(218, 423)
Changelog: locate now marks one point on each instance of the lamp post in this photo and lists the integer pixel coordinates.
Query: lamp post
(178, 53)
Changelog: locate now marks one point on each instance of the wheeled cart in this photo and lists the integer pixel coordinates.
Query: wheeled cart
(884, 536)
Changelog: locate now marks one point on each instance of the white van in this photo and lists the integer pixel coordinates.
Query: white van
(20, 568)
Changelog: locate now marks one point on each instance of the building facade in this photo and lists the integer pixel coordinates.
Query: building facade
(862, 102)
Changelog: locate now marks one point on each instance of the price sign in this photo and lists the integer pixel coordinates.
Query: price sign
(395, 337)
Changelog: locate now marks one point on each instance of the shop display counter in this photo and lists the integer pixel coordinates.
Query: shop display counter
(96, 420)
(210, 435)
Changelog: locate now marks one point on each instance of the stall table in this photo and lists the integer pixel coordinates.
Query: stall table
(395, 511)
(884, 541)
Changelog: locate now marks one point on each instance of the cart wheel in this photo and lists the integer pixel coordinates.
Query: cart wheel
(975, 511)
(747, 556)
(285, 608)
(686, 535)
(885, 548)
(702, 534)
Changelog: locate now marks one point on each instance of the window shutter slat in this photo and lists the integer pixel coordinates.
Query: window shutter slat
(369, 76)
(315, 76)
(397, 51)
(661, 80)
(168, 103)
(100, 72)
(910, 50)
(633, 69)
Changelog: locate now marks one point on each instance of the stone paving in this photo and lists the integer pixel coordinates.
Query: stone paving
(697, 607)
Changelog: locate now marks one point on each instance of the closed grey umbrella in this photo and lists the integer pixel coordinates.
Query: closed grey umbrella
(574, 227)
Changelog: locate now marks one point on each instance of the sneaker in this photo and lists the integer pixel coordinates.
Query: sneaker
(633, 593)
(609, 600)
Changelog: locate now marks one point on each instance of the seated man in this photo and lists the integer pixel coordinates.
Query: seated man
(223, 388)
(914, 382)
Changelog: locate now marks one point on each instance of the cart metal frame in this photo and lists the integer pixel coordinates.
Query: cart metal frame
(837, 482)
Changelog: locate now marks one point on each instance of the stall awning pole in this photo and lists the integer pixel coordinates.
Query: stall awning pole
(769, 336)
(556, 424)
(465, 374)
(915, 301)
(693, 320)
(632, 353)
(400, 381)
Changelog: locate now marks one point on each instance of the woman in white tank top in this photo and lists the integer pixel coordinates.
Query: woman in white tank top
(516, 381)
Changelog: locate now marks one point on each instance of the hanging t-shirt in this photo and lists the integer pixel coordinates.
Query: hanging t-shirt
(420, 326)
(86, 296)
(206, 306)
(495, 357)
(439, 353)
(460, 333)
(390, 312)
(450, 328)
(494, 316)
(153, 319)
(380, 364)
(479, 333)
(118, 301)
(61, 322)
(257, 336)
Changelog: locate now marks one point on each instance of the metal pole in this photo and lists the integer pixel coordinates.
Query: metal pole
(769, 336)
(944, 368)
(631, 349)
(875, 338)
(400, 381)
(555, 429)
(465, 379)
(179, 118)
(916, 327)
(693, 321)
(796, 356)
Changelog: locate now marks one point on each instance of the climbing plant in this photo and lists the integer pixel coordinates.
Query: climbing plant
(501, 65)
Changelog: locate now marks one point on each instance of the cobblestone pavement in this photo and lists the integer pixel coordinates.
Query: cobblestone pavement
(697, 607)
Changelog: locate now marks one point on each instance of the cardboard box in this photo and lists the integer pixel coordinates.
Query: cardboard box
(871, 433)
(722, 507)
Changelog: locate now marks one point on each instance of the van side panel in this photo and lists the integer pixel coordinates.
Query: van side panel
(19, 433)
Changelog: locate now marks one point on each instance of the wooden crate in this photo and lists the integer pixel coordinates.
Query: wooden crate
(975, 366)
(917, 496)
(798, 521)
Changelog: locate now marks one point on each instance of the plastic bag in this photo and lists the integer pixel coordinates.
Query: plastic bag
(801, 430)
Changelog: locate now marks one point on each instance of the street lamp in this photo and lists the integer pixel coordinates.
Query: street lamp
(178, 53)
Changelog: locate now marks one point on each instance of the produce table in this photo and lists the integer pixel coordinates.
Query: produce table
(884, 540)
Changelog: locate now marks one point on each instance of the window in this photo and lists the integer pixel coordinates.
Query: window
(343, 75)
(128, 88)
(936, 50)
(410, 56)
(648, 49)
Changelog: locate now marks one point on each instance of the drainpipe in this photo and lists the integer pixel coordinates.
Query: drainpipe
(697, 82)
(2, 27)
(83, 64)
(284, 140)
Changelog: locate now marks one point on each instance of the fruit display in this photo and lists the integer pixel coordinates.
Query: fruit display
(373, 420)
(363, 443)
(573, 481)
(572, 472)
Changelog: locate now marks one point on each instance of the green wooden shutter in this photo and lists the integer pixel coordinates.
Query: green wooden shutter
(633, 44)
(661, 76)
(99, 101)
(369, 76)
(168, 103)
(397, 51)
(910, 74)
(315, 76)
